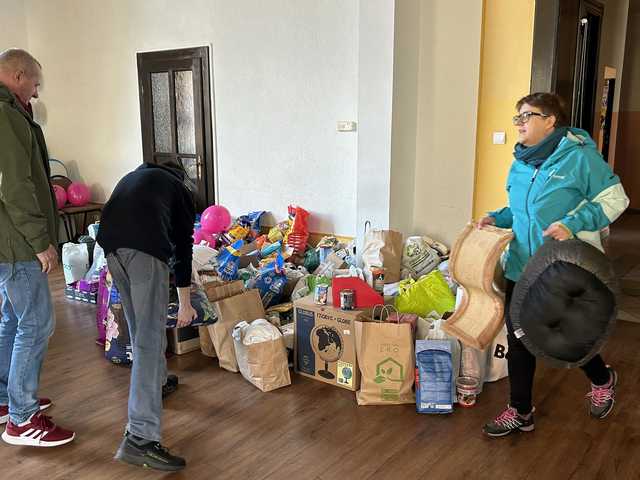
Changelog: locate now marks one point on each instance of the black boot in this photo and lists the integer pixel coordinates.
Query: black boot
(138, 451)
(170, 386)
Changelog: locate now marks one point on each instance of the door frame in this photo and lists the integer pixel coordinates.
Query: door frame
(146, 114)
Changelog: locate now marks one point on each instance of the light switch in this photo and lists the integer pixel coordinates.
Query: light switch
(346, 126)
(499, 138)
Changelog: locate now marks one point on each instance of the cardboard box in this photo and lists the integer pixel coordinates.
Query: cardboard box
(324, 347)
(183, 340)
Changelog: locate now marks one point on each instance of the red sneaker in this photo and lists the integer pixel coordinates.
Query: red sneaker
(4, 409)
(39, 432)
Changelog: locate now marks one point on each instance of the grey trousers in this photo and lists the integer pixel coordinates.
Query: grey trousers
(143, 283)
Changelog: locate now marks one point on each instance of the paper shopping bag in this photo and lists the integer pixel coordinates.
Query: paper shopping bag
(245, 306)
(386, 360)
(261, 355)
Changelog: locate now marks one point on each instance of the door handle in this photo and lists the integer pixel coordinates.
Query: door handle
(199, 167)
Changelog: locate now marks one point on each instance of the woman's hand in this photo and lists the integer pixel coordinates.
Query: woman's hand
(483, 222)
(558, 231)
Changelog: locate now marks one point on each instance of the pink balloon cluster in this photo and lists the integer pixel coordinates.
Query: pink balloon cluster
(77, 194)
(214, 220)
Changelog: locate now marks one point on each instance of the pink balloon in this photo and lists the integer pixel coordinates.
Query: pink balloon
(200, 235)
(61, 196)
(215, 219)
(78, 194)
(197, 236)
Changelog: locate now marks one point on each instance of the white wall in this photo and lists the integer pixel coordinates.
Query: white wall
(13, 28)
(284, 72)
(375, 92)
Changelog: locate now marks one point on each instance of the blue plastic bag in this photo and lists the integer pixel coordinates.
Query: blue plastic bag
(229, 261)
(271, 282)
(434, 376)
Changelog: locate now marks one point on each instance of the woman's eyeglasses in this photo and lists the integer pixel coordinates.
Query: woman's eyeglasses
(525, 116)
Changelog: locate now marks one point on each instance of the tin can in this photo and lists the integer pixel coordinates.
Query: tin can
(378, 279)
(347, 299)
(320, 294)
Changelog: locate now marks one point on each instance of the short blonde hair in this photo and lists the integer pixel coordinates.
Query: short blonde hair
(16, 59)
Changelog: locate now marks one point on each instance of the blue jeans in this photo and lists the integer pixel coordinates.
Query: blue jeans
(26, 324)
(143, 284)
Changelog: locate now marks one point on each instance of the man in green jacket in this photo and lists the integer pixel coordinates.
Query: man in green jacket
(28, 235)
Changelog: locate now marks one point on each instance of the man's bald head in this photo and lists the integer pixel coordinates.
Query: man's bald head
(18, 60)
(21, 73)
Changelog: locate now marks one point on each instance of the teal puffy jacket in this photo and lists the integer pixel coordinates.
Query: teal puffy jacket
(574, 186)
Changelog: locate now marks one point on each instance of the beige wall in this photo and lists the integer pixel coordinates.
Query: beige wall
(13, 29)
(612, 42)
(612, 46)
(628, 142)
(405, 114)
(435, 96)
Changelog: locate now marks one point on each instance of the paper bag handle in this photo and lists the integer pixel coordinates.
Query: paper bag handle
(384, 308)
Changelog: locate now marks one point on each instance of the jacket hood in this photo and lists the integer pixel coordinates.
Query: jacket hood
(173, 169)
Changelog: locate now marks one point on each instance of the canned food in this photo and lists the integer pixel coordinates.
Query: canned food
(347, 299)
(320, 294)
(378, 279)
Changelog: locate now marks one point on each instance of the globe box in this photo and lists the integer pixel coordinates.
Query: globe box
(324, 347)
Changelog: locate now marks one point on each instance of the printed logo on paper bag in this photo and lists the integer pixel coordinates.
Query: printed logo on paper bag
(389, 370)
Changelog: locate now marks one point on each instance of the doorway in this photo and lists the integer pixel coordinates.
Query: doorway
(565, 55)
(175, 114)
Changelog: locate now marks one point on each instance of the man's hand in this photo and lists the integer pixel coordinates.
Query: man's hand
(186, 312)
(557, 231)
(483, 222)
(48, 259)
(186, 315)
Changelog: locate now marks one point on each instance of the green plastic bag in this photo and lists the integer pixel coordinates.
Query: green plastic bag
(429, 293)
(313, 280)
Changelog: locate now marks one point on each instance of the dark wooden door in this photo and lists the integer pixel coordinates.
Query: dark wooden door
(175, 113)
(565, 54)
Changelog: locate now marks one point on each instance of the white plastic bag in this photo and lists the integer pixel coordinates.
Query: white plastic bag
(99, 261)
(497, 358)
(418, 258)
(75, 261)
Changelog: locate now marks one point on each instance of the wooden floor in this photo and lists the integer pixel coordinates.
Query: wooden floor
(227, 429)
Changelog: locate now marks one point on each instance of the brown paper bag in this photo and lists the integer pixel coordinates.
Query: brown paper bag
(206, 344)
(383, 248)
(387, 362)
(263, 364)
(245, 306)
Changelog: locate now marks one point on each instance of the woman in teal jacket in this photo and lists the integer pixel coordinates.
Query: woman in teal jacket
(560, 187)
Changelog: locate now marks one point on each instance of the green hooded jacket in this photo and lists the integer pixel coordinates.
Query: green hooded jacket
(28, 216)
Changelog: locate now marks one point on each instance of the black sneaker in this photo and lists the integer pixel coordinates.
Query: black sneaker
(509, 421)
(137, 451)
(602, 397)
(170, 386)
